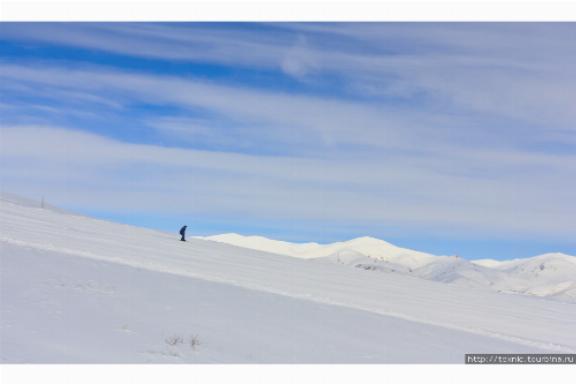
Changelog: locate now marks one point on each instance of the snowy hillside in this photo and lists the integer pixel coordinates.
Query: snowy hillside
(366, 246)
(550, 275)
(76, 289)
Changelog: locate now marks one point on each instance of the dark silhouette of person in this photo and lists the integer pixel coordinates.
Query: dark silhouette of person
(183, 233)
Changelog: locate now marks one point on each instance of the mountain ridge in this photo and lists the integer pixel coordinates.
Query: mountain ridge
(548, 275)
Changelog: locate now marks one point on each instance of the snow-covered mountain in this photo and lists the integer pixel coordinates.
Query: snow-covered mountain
(366, 246)
(551, 275)
(77, 289)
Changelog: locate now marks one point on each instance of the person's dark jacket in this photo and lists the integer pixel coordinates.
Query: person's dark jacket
(183, 233)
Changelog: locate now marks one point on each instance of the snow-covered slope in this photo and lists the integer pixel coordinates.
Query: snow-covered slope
(458, 270)
(76, 289)
(557, 265)
(70, 309)
(550, 275)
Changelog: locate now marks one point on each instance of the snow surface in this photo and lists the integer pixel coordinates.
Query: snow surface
(76, 289)
(550, 275)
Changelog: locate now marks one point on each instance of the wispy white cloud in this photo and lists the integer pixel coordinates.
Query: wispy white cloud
(299, 60)
(280, 115)
(68, 165)
(516, 70)
(273, 116)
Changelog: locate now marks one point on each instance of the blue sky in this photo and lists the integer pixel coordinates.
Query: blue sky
(451, 138)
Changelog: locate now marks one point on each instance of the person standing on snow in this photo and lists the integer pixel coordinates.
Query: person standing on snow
(183, 233)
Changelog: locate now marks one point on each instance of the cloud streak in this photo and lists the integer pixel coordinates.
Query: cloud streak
(144, 177)
(517, 70)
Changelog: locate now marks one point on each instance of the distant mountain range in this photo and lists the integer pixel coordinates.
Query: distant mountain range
(551, 275)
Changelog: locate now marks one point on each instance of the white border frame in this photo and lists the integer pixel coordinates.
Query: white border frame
(282, 10)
